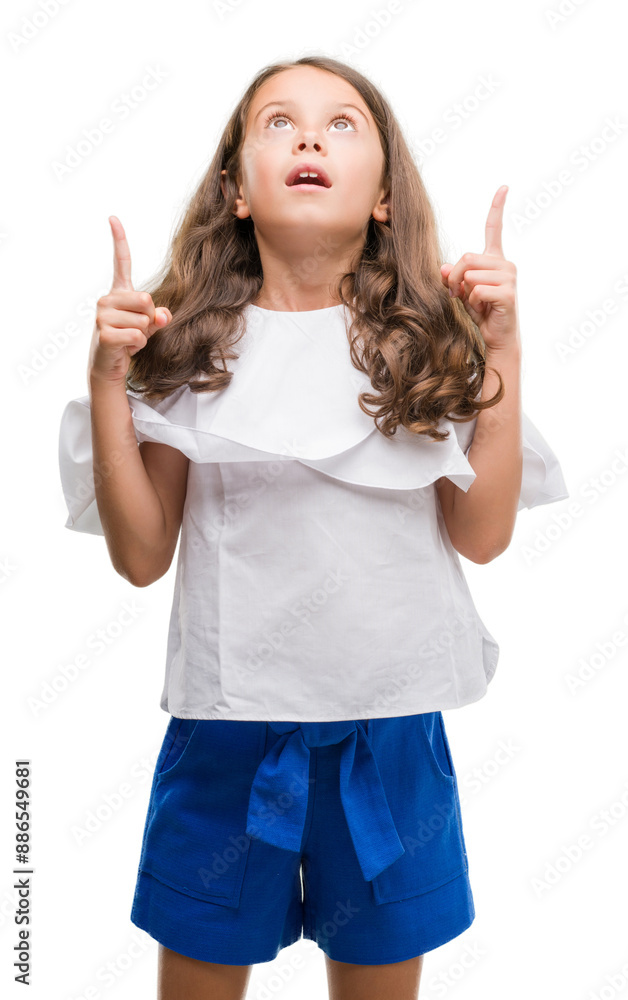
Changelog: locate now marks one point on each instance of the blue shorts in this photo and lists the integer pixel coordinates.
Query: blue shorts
(347, 833)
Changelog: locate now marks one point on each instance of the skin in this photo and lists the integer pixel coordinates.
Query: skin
(308, 235)
(481, 521)
(180, 976)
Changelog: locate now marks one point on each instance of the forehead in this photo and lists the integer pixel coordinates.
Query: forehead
(306, 86)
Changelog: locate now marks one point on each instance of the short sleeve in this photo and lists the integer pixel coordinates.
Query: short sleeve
(182, 420)
(76, 468)
(542, 479)
(163, 421)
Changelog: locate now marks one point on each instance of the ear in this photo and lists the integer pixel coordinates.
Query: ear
(381, 210)
(241, 208)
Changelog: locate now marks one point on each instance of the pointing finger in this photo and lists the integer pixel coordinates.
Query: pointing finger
(121, 256)
(494, 223)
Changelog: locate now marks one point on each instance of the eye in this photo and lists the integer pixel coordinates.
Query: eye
(341, 117)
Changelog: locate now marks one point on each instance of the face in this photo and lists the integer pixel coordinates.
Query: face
(308, 114)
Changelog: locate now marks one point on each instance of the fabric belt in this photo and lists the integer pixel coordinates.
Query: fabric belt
(368, 815)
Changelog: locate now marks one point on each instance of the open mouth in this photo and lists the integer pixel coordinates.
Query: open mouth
(305, 173)
(307, 180)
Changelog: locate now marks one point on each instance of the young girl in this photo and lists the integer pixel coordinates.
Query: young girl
(330, 415)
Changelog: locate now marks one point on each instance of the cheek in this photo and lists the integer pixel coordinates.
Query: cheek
(354, 156)
(259, 142)
(262, 159)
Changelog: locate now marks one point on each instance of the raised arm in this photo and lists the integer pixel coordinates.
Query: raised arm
(140, 491)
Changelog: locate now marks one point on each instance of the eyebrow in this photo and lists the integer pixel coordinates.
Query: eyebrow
(335, 107)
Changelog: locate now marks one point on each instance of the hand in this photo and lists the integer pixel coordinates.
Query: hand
(486, 283)
(125, 319)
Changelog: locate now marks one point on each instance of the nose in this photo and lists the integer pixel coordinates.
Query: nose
(309, 139)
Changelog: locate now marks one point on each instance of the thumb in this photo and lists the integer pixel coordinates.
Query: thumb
(445, 270)
(162, 316)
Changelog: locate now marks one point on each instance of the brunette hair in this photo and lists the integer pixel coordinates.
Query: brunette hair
(423, 354)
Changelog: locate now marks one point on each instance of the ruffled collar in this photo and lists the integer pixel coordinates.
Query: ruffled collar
(294, 394)
(294, 389)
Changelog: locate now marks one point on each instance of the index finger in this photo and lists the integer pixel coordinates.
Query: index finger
(121, 256)
(494, 223)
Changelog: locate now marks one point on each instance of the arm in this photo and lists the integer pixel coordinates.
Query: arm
(481, 521)
(140, 491)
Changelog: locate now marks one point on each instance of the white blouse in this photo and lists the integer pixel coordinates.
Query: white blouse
(315, 578)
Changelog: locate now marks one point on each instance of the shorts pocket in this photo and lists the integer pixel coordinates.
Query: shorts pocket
(195, 836)
(175, 744)
(425, 806)
(437, 745)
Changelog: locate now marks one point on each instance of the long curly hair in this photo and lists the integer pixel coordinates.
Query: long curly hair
(422, 352)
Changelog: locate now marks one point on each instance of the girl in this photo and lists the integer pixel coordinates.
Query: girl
(321, 621)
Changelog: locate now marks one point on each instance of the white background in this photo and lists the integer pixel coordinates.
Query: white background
(556, 86)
